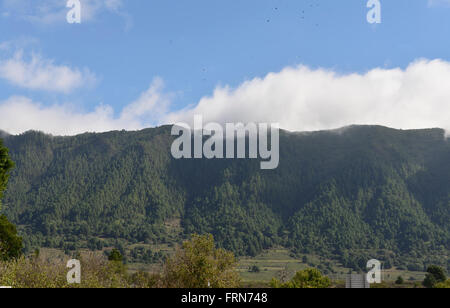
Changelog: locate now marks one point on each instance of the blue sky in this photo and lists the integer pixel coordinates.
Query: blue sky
(188, 49)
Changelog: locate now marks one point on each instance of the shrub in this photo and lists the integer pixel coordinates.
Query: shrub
(400, 280)
(310, 278)
(435, 275)
(38, 272)
(443, 285)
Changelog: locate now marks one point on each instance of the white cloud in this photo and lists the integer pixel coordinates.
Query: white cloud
(43, 74)
(303, 99)
(300, 99)
(19, 114)
(149, 107)
(54, 11)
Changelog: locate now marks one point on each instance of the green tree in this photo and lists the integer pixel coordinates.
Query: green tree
(115, 256)
(435, 275)
(310, 278)
(6, 165)
(429, 281)
(254, 269)
(198, 264)
(10, 243)
(400, 280)
(116, 261)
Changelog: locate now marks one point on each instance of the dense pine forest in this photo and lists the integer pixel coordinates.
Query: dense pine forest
(352, 194)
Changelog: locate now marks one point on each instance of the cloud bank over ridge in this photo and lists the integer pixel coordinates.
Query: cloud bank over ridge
(299, 98)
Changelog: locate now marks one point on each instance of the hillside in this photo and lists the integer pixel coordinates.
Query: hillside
(349, 194)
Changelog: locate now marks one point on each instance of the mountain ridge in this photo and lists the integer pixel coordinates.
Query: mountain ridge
(4, 133)
(365, 188)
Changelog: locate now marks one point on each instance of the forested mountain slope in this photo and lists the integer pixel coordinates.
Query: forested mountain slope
(344, 193)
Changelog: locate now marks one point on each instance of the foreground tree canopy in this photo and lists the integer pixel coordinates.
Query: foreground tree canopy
(435, 277)
(6, 165)
(10, 243)
(196, 264)
(199, 264)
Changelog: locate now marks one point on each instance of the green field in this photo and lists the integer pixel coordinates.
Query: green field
(280, 264)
